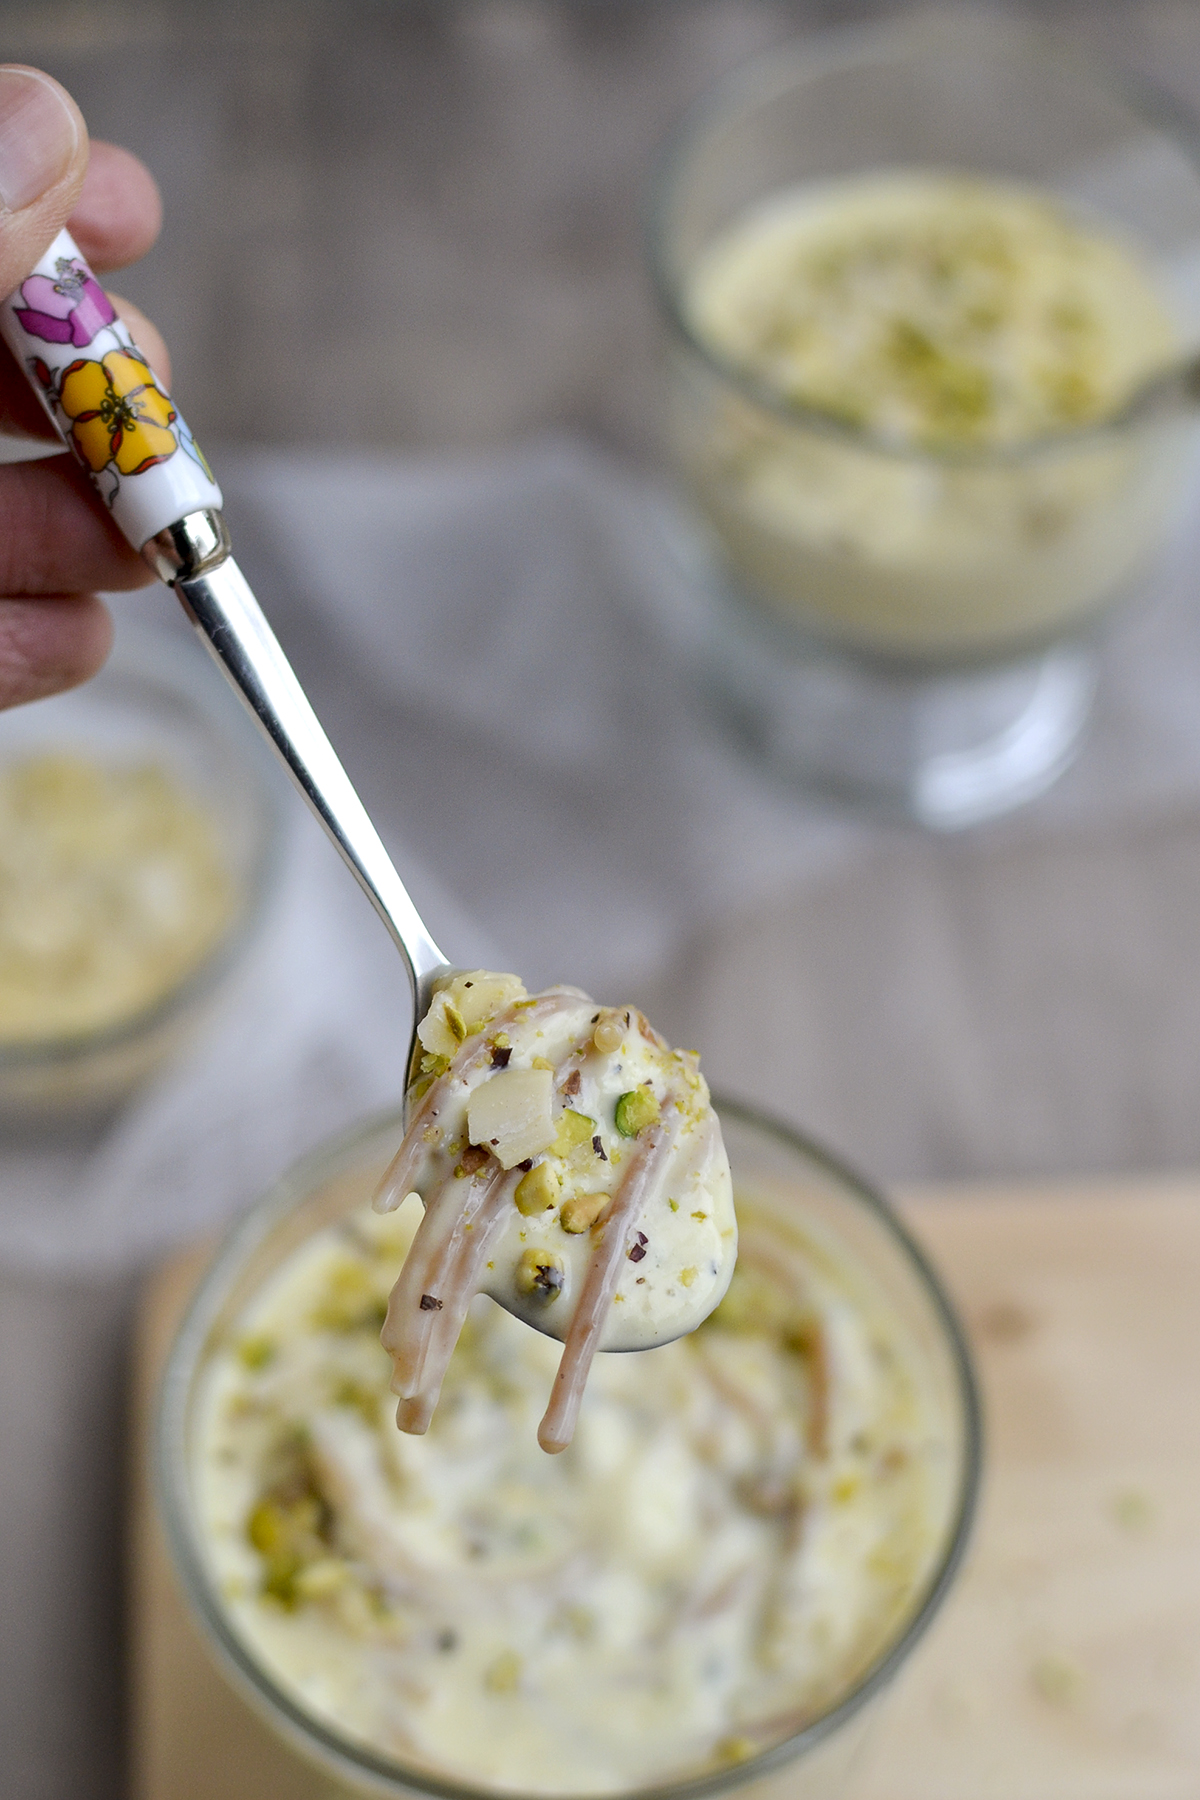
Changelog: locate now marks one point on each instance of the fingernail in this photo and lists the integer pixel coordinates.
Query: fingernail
(38, 136)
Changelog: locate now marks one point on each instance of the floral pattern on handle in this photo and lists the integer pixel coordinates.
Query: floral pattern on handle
(68, 307)
(113, 414)
(118, 413)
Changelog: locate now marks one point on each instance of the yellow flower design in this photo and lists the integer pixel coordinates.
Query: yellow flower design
(118, 413)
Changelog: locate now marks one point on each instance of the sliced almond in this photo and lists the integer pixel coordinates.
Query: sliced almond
(510, 1114)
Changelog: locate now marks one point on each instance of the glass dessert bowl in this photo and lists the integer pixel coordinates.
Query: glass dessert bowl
(750, 1533)
(140, 841)
(913, 275)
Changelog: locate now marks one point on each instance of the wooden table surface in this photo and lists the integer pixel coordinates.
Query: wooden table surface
(1066, 1664)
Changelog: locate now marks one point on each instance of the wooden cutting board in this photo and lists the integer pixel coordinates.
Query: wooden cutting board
(1066, 1664)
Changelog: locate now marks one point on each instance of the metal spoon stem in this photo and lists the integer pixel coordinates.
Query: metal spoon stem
(194, 557)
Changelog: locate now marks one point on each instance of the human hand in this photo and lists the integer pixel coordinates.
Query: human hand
(56, 544)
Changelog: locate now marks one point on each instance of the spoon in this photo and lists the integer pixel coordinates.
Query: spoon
(143, 461)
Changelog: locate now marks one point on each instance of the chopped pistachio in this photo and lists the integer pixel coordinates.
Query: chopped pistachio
(266, 1527)
(581, 1211)
(537, 1190)
(288, 1533)
(757, 1304)
(256, 1352)
(356, 1394)
(574, 1129)
(503, 1676)
(637, 1109)
(352, 1300)
(539, 1062)
(542, 1273)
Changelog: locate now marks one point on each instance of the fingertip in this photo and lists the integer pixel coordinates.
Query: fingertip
(118, 214)
(43, 140)
(43, 158)
(48, 646)
(59, 537)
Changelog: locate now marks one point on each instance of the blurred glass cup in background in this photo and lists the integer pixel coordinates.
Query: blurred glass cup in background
(911, 625)
(130, 946)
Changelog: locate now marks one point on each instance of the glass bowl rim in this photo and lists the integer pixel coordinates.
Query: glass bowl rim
(172, 1486)
(841, 47)
(151, 657)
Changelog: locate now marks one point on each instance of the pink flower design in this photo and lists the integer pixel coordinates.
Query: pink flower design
(68, 308)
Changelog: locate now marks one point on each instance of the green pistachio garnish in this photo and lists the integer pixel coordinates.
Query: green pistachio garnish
(536, 1191)
(541, 1273)
(574, 1129)
(503, 1676)
(256, 1352)
(581, 1211)
(289, 1532)
(636, 1110)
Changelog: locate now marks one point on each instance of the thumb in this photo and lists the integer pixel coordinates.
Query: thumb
(43, 158)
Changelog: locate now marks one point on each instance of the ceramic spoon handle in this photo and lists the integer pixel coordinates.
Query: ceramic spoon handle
(103, 397)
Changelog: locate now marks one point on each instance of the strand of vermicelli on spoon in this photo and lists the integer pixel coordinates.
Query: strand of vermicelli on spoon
(611, 1235)
(439, 1279)
(441, 1275)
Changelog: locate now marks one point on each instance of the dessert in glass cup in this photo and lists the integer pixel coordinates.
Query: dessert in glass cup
(749, 1531)
(915, 277)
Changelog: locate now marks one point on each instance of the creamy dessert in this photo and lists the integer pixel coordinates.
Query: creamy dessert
(744, 1521)
(932, 310)
(113, 889)
(571, 1165)
(939, 333)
